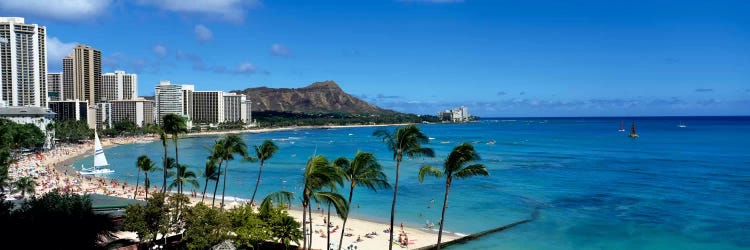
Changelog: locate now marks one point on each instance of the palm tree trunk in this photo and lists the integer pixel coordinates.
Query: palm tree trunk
(164, 184)
(351, 192)
(260, 170)
(146, 180)
(137, 180)
(177, 160)
(445, 205)
(393, 205)
(304, 224)
(216, 186)
(309, 212)
(204, 189)
(328, 238)
(224, 189)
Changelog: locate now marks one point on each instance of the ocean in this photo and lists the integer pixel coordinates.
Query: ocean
(594, 187)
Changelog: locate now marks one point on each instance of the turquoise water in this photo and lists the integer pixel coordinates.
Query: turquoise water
(672, 188)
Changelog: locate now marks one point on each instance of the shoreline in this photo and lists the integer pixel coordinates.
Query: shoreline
(54, 170)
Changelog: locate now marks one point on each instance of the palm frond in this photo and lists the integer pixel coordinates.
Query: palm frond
(428, 171)
(279, 197)
(473, 170)
(338, 201)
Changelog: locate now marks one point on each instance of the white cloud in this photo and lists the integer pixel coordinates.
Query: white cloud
(280, 50)
(232, 10)
(202, 33)
(56, 50)
(70, 10)
(246, 68)
(160, 50)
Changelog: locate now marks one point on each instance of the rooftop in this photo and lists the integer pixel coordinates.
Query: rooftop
(26, 110)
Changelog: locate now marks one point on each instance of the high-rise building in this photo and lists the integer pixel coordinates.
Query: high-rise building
(208, 107)
(187, 100)
(119, 86)
(68, 88)
(83, 68)
(139, 111)
(54, 86)
(23, 63)
(235, 108)
(169, 100)
(103, 115)
(70, 109)
(248, 104)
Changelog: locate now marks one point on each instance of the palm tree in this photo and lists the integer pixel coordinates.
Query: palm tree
(211, 173)
(319, 174)
(407, 141)
(232, 144)
(138, 165)
(147, 166)
(365, 170)
(163, 138)
(217, 151)
(455, 166)
(174, 125)
(263, 153)
(183, 176)
(25, 184)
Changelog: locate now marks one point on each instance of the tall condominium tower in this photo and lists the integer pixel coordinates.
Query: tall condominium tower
(23, 63)
(54, 86)
(82, 71)
(235, 108)
(168, 100)
(119, 86)
(208, 107)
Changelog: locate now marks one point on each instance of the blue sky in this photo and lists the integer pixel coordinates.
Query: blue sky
(499, 58)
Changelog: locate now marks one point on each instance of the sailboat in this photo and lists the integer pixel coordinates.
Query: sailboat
(632, 131)
(622, 126)
(682, 125)
(99, 160)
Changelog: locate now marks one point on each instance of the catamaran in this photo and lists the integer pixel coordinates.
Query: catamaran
(682, 125)
(622, 126)
(632, 131)
(99, 160)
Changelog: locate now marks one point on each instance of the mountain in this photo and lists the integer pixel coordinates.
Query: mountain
(319, 97)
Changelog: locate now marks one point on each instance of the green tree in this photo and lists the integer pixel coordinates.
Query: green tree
(147, 221)
(231, 144)
(52, 216)
(217, 153)
(183, 176)
(72, 130)
(456, 165)
(205, 227)
(25, 185)
(175, 125)
(210, 173)
(263, 153)
(147, 166)
(249, 230)
(285, 229)
(364, 170)
(406, 140)
(317, 176)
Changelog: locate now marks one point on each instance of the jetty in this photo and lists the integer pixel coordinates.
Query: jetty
(478, 235)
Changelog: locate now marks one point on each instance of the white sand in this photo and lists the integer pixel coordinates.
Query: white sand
(359, 228)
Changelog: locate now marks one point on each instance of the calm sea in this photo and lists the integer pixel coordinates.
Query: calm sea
(672, 188)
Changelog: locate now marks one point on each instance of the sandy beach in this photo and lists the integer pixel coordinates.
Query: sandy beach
(53, 170)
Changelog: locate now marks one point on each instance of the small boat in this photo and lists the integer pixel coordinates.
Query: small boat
(622, 126)
(492, 142)
(682, 125)
(632, 131)
(445, 142)
(99, 160)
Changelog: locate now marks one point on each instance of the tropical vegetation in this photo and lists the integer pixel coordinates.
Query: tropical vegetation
(406, 140)
(456, 165)
(262, 153)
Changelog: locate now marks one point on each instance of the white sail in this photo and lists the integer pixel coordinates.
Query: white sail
(99, 159)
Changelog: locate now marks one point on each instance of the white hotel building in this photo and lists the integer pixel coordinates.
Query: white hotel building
(23, 63)
(119, 86)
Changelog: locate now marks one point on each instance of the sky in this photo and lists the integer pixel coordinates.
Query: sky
(498, 58)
